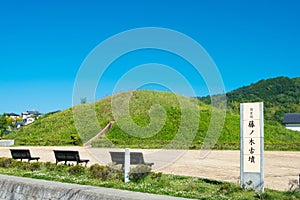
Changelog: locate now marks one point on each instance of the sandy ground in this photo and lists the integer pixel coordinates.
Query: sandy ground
(280, 167)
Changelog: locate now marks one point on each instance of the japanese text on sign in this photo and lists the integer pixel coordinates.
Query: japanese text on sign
(251, 137)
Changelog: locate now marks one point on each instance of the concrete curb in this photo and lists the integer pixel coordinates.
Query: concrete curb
(19, 188)
(7, 143)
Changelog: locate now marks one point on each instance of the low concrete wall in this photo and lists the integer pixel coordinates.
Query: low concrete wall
(18, 188)
(6, 143)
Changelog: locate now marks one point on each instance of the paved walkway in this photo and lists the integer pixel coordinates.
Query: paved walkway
(280, 166)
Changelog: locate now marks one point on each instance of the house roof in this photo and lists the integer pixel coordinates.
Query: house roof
(31, 112)
(11, 114)
(291, 118)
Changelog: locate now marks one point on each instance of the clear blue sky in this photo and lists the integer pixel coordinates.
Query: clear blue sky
(43, 43)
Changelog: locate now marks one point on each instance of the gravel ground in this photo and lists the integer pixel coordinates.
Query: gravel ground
(280, 167)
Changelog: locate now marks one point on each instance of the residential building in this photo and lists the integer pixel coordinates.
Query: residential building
(292, 121)
(12, 115)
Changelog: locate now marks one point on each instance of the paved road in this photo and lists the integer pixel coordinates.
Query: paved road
(280, 167)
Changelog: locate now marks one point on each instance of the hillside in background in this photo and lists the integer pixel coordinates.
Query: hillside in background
(173, 121)
(280, 95)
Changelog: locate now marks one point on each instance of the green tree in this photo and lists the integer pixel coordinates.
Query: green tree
(278, 116)
(3, 124)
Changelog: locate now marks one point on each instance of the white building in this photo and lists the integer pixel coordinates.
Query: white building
(292, 121)
(28, 120)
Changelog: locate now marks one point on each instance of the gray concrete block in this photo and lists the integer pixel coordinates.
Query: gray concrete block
(14, 188)
(6, 143)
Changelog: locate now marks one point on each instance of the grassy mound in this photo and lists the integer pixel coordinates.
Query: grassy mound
(146, 119)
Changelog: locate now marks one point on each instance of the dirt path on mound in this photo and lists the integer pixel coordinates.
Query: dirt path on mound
(280, 166)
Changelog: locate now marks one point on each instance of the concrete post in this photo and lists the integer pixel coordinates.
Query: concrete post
(126, 165)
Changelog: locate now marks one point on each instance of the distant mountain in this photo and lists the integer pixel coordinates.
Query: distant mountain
(280, 95)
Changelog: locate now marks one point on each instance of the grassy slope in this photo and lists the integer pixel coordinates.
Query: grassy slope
(59, 128)
(277, 137)
(54, 129)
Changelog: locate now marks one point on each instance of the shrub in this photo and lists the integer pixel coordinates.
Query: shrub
(75, 139)
(157, 175)
(99, 171)
(22, 165)
(6, 162)
(61, 168)
(17, 164)
(76, 170)
(139, 172)
(34, 166)
(115, 172)
(106, 173)
(49, 166)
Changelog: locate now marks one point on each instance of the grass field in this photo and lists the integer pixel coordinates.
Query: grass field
(157, 183)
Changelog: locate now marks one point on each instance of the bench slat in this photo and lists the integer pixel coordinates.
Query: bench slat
(22, 154)
(135, 158)
(68, 155)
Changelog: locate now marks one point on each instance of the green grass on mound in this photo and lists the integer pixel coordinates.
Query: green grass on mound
(155, 120)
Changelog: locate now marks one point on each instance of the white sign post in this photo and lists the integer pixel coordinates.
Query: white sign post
(252, 146)
(126, 165)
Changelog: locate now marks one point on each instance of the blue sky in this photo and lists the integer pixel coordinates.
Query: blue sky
(43, 43)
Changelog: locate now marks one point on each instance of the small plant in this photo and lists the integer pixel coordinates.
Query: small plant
(76, 170)
(75, 139)
(115, 172)
(6, 162)
(155, 175)
(106, 173)
(61, 168)
(248, 185)
(140, 172)
(262, 196)
(34, 166)
(228, 188)
(50, 166)
(22, 165)
(99, 171)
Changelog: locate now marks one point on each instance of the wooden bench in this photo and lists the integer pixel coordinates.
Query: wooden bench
(22, 154)
(136, 158)
(65, 156)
